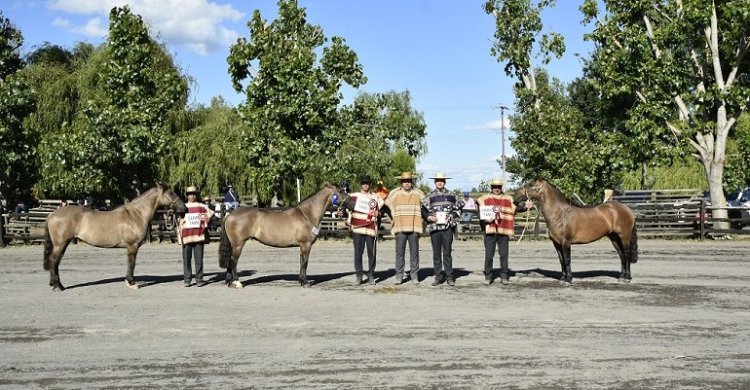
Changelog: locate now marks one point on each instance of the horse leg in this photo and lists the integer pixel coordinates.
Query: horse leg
(304, 256)
(53, 262)
(561, 257)
(568, 271)
(132, 253)
(621, 251)
(232, 279)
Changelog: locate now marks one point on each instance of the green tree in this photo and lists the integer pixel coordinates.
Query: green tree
(117, 148)
(292, 96)
(17, 169)
(555, 136)
(686, 63)
(382, 136)
(737, 170)
(209, 153)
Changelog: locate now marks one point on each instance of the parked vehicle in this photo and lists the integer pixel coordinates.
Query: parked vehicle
(738, 208)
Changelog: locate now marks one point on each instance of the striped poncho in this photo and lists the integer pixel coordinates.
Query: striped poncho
(406, 210)
(503, 216)
(364, 213)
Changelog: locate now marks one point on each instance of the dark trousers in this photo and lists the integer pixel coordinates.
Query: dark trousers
(360, 242)
(401, 239)
(501, 242)
(442, 259)
(188, 250)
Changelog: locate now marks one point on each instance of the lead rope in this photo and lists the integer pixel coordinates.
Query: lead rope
(528, 215)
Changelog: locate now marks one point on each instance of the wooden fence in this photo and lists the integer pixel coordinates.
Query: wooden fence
(666, 213)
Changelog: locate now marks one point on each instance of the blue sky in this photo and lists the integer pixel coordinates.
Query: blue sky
(439, 50)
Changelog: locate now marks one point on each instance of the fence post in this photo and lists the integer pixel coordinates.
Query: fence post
(2, 230)
(702, 219)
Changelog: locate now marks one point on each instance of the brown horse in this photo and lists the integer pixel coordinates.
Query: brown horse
(123, 227)
(296, 226)
(570, 224)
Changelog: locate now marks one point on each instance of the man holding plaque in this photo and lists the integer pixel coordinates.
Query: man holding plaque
(363, 207)
(497, 214)
(192, 236)
(440, 209)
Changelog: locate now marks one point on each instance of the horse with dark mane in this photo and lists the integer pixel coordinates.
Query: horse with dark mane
(123, 227)
(296, 226)
(571, 224)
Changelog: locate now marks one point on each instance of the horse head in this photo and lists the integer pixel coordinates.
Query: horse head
(167, 197)
(337, 196)
(535, 190)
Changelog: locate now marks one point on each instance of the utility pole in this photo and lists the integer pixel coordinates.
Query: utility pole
(501, 160)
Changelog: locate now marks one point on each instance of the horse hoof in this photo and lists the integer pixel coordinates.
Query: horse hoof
(306, 284)
(237, 285)
(624, 280)
(58, 287)
(133, 286)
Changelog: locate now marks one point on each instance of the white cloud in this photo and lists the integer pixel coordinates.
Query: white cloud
(60, 22)
(93, 28)
(491, 126)
(194, 24)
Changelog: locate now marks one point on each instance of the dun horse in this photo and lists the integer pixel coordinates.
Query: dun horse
(123, 227)
(296, 226)
(570, 224)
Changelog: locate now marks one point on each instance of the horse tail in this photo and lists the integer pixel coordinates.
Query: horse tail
(47, 248)
(633, 247)
(225, 249)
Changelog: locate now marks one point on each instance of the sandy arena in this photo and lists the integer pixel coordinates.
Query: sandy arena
(682, 323)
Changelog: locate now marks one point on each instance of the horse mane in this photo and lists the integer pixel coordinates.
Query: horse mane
(560, 195)
(325, 185)
(136, 198)
(557, 193)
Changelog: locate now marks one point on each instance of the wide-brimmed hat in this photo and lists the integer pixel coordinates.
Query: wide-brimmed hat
(440, 176)
(365, 179)
(191, 190)
(497, 182)
(405, 176)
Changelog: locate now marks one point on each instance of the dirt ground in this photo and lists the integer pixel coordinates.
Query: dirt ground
(682, 323)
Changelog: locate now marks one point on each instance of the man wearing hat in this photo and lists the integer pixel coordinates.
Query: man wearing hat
(192, 236)
(231, 198)
(405, 205)
(440, 209)
(497, 213)
(362, 222)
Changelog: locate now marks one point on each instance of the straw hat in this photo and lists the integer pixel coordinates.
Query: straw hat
(405, 176)
(191, 190)
(497, 182)
(440, 176)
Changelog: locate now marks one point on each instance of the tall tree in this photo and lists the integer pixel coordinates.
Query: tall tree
(17, 169)
(209, 153)
(381, 131)
(126, 131)
(686, 63)
(555, 136)
(292, 96)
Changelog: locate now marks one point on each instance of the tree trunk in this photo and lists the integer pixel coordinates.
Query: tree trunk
(644, 176)
(713, 161)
